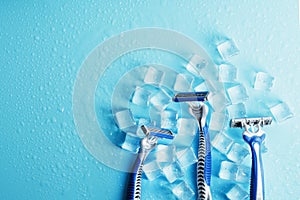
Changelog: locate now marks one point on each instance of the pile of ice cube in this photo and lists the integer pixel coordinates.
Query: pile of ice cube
(151, 104)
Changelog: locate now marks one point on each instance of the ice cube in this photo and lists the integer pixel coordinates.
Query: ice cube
(186, 130)
(173, 172)
(263, 81)
(217, 121)
(165, 153)
(139, 111)
(236, 110)
(168, 119)
(169, 79)
(227, 73)
(183, 82)
(228, 170)
(196, 64)
(237, 94)
(131, 143)
(124, 119)
(227, 49)
(218, 101)
(140, 96)
(153, 76)
(160, 100)
(186, 157)
(281, 112)
(152, 170)
(183, 191)
(237, 153)
(201, 87)
(243, 174)
(237, 193)
(222, 143)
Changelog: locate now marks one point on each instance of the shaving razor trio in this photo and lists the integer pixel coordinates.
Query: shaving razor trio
(253, 136)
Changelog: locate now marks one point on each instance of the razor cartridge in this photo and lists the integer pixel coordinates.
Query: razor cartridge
(190, 96)
(160, 133)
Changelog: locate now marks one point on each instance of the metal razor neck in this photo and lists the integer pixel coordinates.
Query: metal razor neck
(149, 142)
(200, 111)
(253, 129)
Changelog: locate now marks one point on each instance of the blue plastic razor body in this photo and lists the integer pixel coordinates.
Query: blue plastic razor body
(147, 144)
(257, 191)
(254, 137)
(200, 111)
(204, 164)
(207, 168)
(135, 177)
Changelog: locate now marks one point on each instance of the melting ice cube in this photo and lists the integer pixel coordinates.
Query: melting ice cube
(195, 64)
(217, 122)
(153, 76)
(227, 73)
(236, 110)
(237, 153)
(228, 170)
(186, 131)
(237, 193)
(160, 100)
(281, 112)
(165, 153)
(168, 119)
(152, 170)
(183, 82)
(186, 157)
(140, 96)
(263, 81)
(237, 94)
(183, 191)
(173, 172)
(131, 143)
(222, 143)
(227, 49)
(124, 119)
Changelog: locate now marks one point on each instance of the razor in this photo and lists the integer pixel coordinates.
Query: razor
(200, 111)
(147, 144)
(254, 136)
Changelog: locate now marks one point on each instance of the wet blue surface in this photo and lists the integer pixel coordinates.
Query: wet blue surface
(43, 45)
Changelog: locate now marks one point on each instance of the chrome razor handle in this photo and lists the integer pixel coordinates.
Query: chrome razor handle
(204, 165)
(257, 173)
(134, 187)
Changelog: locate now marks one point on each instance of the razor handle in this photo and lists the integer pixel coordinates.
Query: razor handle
(134, 187)
(257, 174)
(204, 165)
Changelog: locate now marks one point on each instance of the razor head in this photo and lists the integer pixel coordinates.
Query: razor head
(242, 122)
(157, 132)
(190, 96)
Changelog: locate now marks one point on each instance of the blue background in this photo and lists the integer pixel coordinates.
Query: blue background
(43, 44)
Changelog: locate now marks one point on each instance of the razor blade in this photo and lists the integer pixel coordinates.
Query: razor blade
(242, 122)
(190, 96)
(157, 132)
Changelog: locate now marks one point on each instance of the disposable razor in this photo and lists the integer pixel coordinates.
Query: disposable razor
(147, 144)
(200, 111)
(254, 136)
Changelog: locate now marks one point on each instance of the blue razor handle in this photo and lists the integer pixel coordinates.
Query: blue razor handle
(204, 165)
(254, 137)
(147, 144)
(207, 168)
(257, 174)
(134, 188)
